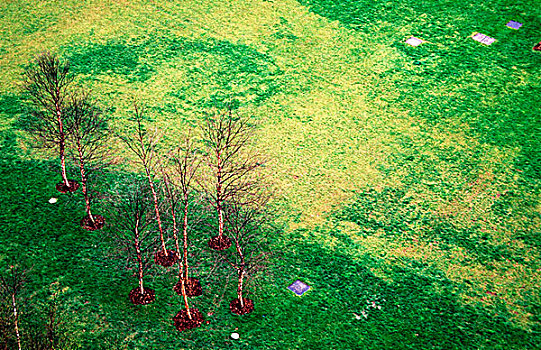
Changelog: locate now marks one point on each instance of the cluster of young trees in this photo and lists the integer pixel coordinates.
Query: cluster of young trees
(66, 119)
(160, 205)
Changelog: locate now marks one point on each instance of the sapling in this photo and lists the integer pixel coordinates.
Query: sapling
(186, 318)
(227, 138)
(144, 145)
(11, 284)
(246, 219)
(47, 84)
(88, 131)
(133, 220)
(185, 168)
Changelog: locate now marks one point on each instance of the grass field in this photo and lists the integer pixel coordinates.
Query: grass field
(408, 177)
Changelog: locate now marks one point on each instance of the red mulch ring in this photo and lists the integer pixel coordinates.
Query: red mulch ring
(182, 322)
(235, 307)
(193, 287)
(537, 47)
(220, 243)
(142, 299)
(165, 260)
(88, 225)
(73, 186)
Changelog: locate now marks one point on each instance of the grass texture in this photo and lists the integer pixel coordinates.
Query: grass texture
(408, 177)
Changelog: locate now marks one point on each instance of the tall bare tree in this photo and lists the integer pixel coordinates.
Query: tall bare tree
(11, 284)
(247, 217)
(47, 83)
(145, 147)
(231, 160)
(133, 222)
(185, 167)
(88, 131)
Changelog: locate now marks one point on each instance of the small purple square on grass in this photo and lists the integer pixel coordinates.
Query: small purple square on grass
(298, 287)
(514, 25)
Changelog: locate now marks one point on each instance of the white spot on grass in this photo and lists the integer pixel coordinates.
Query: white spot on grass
(53, 200)
(235, 336)
(483, 39)
(413, 41)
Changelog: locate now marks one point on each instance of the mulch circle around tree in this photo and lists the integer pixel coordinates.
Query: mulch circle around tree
(182, 322)
(165, 260)
(142, 299)
(87, 224)
(73, 186)
(235, 307)
(193, 287)
(220, 243)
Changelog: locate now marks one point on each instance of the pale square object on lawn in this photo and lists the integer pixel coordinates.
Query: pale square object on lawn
(299, 287)
(514, 24)
(413, 41)
(483, 39)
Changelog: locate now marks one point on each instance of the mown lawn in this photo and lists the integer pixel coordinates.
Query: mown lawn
(408, 177)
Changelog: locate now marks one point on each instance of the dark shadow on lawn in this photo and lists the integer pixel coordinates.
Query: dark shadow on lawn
(391, 212)
(237, 64)
(417, 308)
(47, 237)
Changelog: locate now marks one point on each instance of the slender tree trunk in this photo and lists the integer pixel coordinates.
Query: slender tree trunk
(241, 273)
(240, 286)
(183, 279)
(185, 235)
(139, 258)
(63, 162)
(219, 196)
(220, 220)
(175, 230)
(156, 210)
(16, 316)
(51, 333)
(185, 297)
(62, 144)
(83, 183)
(177, 245)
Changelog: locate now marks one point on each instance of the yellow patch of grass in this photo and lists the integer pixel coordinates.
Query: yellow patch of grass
(507, 282)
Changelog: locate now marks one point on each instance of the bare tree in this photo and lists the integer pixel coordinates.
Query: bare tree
(227, 138)
(88, 131)
(133, 218)
(11, 284)
(47, 83)
(144, 145)
(246, 218)
(185, 167)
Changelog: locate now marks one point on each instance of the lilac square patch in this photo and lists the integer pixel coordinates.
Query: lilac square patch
(299, 287)
(413, 41)
(514, 24)
(483, 39)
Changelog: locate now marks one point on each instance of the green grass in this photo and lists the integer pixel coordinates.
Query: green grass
(406, 176)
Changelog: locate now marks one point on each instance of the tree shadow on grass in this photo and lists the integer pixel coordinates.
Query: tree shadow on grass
(47, 236)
